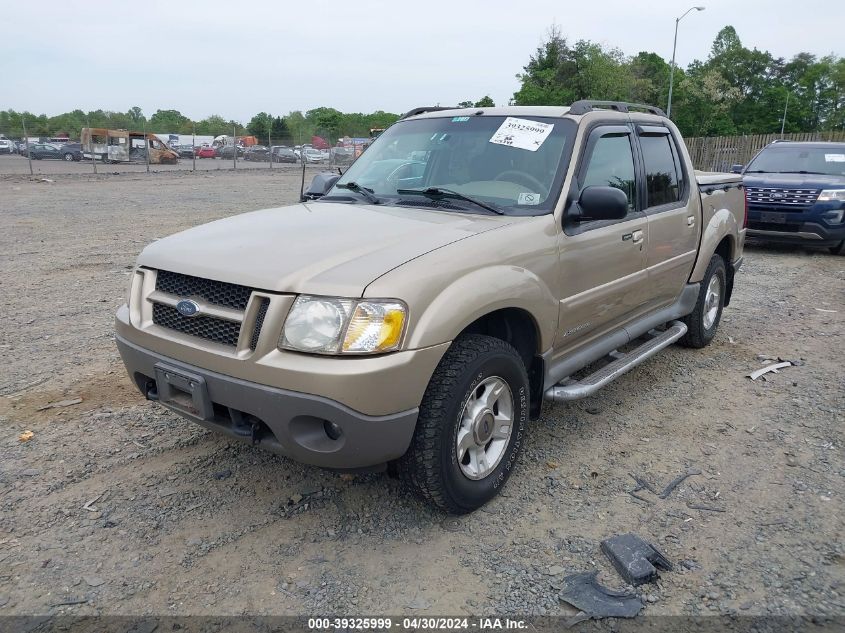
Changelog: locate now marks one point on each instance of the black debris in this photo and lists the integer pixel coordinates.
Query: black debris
(677, 480)
(583, 592)
(636, 560)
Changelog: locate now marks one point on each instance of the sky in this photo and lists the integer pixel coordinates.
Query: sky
(235, 59)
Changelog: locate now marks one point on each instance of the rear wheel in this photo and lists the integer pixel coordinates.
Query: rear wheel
(68, 156)
(471, 425)
(839, 249)
(703, 322)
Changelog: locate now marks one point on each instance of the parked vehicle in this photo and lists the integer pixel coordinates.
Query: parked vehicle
(7, 146)
(124, 146)
(227, 151)
(796, 194)
(206, 152)
(312, 155)
(71, 151)
(22, 148)
(283, 154)
(40, 151)
(257, 153)
(420, 317)
(342, 155)
(185, 151)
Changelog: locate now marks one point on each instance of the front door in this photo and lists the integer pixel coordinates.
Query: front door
(603, 263)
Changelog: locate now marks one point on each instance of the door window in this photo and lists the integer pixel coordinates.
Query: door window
(661, 168)
(611, 164)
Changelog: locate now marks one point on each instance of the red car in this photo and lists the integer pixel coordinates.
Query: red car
(205, 152)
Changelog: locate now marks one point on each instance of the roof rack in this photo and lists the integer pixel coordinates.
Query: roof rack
(588, 105)
(424, 109)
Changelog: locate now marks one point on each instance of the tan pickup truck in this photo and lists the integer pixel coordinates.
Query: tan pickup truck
(417, 310)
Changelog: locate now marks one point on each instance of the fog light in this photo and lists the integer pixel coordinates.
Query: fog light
(332, 430)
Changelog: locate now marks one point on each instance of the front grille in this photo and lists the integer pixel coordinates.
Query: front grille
(216, 292)
(259, 322)
(774, 226)
(209, 328)
(780, 199)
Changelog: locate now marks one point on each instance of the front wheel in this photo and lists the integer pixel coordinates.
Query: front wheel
(703, 322)
(68, 156)
(471, 425)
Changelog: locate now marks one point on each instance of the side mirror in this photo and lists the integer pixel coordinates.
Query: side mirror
(320, 185)
(602, 203)
(736, 169)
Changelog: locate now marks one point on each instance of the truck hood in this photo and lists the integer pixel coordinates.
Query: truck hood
(794, 181)
(317, 248)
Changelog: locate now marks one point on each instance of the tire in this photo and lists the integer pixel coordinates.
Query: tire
(475, 366)
(702, 323)
(68, 156)
(839, 249)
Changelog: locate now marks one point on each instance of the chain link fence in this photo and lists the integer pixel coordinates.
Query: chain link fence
(101, 150)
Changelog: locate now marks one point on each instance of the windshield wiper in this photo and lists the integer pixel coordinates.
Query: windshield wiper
(815, 173)
(439, 192)
(367, 193)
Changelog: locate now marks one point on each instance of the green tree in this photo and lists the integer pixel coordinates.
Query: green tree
(168, 121)
(259, 126)
(485, 102)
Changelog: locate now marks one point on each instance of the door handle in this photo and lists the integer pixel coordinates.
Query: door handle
(637, 236)
(690, 220)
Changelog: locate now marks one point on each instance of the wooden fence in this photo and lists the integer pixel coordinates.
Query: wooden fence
(718, 153)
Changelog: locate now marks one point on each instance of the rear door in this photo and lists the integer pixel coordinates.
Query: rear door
(603, 277)
(673, 214)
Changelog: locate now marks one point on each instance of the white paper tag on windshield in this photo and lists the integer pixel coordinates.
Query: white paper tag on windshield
(522, 133)
(834, 158)
(528, 198)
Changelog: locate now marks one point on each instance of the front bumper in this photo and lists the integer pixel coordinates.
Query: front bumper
(813, 233)
(286, 422)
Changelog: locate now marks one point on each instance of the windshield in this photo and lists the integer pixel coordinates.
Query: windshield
(515, 164)
(797, 159)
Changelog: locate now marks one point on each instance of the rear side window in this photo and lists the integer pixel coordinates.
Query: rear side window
(611, 164)
(662, 171)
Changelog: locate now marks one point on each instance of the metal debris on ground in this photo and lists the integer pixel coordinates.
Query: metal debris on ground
(676, 481)
(26, 436)
(583, 592)
(60, 404)
(636, 560)
(701, 506)
(773, 367)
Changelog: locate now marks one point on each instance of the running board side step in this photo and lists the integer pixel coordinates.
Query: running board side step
(575, 390)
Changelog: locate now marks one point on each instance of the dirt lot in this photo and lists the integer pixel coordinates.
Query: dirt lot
(120, 507)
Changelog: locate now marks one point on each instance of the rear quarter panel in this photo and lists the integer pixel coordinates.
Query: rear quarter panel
(723, 215)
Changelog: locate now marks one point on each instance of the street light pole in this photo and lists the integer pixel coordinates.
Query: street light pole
(674, 49)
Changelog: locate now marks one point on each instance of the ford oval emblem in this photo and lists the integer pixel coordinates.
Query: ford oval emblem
(188, 308)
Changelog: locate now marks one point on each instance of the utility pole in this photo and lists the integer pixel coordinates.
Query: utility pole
(785, 108)
(194, 144)
(146, 145)
(672, 67)
(234, 147)
(26, 144)
(270, 140)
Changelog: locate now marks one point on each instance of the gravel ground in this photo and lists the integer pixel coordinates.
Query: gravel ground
(121, 507)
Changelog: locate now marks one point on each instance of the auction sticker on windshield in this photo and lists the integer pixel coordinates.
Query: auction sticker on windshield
(834, 158)
(522, 133)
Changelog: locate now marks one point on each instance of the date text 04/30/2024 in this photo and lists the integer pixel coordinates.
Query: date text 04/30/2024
(416, 623)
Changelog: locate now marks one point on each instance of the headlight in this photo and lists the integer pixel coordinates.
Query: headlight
(327, 325)
(827, 195)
